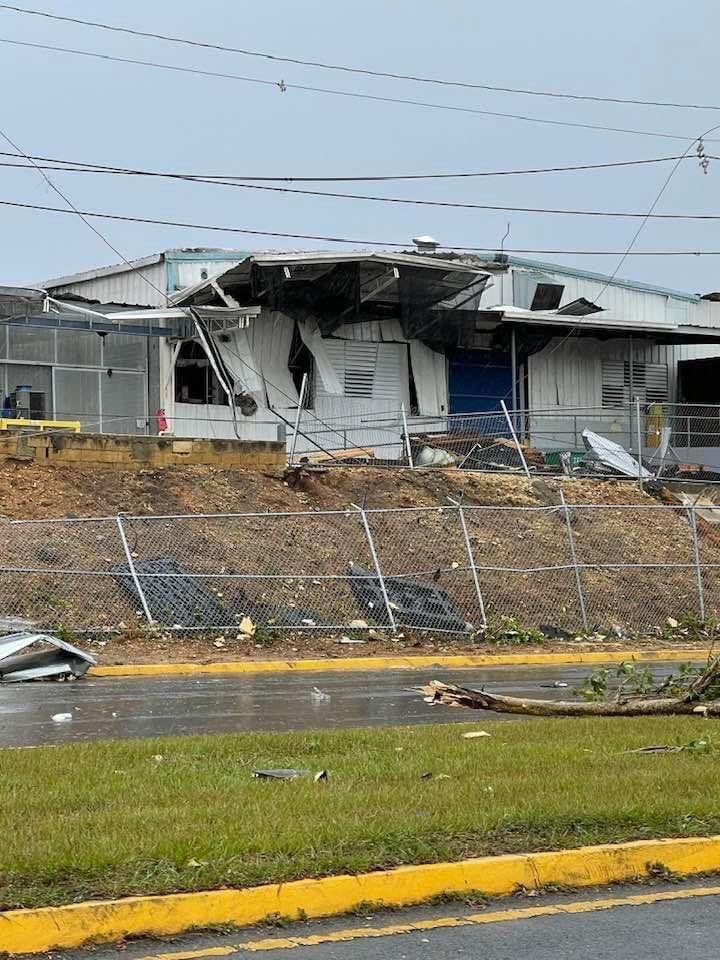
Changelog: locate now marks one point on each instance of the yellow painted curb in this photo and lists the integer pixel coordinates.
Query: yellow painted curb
(35, 931)
(346, 664)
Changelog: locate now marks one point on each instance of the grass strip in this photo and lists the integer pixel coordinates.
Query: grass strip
(110, 819)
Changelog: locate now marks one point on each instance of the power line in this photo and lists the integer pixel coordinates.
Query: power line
(377, 199)
(628, 250)
(358, 179)
(363, 71)
(375, 98)
(74, 211)
(353, 240)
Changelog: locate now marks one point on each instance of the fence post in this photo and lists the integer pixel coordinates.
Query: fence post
(471, 559)
(696, 553)
(573, 556)
(638, 431)
(514, 436)
(406, 435)
(133, 571)
(376, 564)
(301, 401)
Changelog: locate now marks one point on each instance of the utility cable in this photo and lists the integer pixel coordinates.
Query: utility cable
(489, 249)
(337, 195)
(344, 68)
(282, 86)
(86, 166)
(84, 217)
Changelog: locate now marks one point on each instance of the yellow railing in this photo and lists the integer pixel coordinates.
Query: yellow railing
(13, 424)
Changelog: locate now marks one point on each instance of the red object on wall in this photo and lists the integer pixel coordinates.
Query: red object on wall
(161, 420)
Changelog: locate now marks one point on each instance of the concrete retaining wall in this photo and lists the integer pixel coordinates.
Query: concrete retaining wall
(109, 449)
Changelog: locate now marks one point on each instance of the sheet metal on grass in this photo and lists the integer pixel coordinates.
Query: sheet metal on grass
(561, 568)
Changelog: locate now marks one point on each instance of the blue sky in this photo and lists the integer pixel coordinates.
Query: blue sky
(76, 108)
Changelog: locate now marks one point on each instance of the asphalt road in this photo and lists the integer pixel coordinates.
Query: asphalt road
(133, 707)
(586, 925)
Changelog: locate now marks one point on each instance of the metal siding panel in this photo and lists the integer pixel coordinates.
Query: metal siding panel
(126, 287)
(189, 272)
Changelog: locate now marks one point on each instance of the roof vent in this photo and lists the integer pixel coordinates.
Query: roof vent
(426, 244)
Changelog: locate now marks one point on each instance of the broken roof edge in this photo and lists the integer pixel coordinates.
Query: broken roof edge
(299, 257)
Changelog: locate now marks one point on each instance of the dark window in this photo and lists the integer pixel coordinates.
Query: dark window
(547, 296)
(301, 362)
(195, 380)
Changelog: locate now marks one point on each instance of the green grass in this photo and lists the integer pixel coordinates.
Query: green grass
(108, 819)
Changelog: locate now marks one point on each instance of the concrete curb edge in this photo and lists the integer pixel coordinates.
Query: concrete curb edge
(49, 928)
(346, 664)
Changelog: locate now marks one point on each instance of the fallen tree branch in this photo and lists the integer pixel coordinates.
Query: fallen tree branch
(453, 696)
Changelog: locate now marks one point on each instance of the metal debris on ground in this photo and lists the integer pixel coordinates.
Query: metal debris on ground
(318, 695)
(178, 598)
(475, 734)
(612, 455)
(280, 773)
(414, 603)
(289, 773)
(49, 657)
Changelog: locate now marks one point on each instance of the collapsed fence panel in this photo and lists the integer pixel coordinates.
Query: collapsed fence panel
(279, 570)
(454, 568)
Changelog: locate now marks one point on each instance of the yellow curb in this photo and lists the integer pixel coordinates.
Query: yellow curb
(49, 928)
(346, 664)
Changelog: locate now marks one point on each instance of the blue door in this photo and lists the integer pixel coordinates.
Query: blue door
(479, 380)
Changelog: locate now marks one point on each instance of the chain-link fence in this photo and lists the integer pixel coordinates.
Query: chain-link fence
(447, 569)
(669, 440)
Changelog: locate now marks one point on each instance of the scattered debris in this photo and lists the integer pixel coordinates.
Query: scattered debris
(350, 640)
(434, 457)
(555, 685)
(289, 773)
(318, 695)
(52, 658)
(414, 603)
(357, 625)
(176, 597)
(474, 734)
(61, 717)
(281, 773)
(612, 455)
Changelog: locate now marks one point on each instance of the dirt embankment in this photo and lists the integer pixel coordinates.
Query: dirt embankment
(431, 542)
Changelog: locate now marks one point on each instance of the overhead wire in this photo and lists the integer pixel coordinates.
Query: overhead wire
(283, 86)
(115, 168)
(489, 248)
(299, 191)
(344, 68)
(74, 210)
(628, 249)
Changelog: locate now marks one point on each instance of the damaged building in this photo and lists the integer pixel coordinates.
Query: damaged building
(225, 339)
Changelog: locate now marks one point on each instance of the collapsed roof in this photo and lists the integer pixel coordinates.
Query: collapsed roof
(338, 288)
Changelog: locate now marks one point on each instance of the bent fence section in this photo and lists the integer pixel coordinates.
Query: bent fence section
(447, 569)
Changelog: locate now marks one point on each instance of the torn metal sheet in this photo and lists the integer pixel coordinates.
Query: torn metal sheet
(52, 658)
(414, 603)
(178, 598)
(612, 455)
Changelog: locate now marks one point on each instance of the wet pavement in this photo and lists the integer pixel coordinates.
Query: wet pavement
(135, 707)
